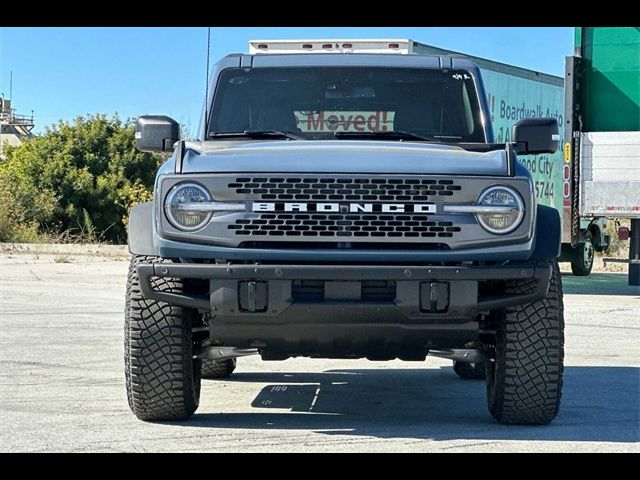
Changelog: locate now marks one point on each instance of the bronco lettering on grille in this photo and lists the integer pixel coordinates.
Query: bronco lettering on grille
(343, 207)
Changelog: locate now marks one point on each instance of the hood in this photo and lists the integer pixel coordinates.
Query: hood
(340, 156)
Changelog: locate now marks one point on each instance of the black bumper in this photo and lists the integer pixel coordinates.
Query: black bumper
(260, 306)
(459, 278)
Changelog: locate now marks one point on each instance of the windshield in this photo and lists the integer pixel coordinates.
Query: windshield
(320, 102)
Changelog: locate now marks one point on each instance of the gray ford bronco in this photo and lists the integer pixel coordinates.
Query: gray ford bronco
(344, 205)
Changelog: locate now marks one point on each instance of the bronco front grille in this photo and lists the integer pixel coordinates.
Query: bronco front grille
(343, 225)
(326, 211)
(344, 189)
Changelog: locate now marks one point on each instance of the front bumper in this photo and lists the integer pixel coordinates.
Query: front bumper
(458, 277)
(261, 306)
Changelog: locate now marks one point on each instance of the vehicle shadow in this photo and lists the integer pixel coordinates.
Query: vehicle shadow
(598, 284)
(599, 404)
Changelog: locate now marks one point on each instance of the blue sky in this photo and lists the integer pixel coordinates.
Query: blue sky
(64, 72)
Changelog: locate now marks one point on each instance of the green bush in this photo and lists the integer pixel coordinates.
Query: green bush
(13, 227)
(79, 178)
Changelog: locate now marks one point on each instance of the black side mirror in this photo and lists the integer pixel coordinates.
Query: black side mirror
(156, 133)
(535, 135)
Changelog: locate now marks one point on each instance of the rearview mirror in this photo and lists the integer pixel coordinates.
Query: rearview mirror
(535, 135)
(156, 133)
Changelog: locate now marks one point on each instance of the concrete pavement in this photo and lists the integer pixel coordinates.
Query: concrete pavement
(62, 381)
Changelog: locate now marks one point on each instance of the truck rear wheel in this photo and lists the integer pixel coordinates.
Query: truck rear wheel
(218, 369)
(162, 377)
(582, 261)
(524, 381)
(469, 371)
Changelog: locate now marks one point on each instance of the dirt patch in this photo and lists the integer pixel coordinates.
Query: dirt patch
(66, 250)
(599, 266)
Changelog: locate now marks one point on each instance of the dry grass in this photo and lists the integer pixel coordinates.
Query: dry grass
(62, 259)
(68, 237)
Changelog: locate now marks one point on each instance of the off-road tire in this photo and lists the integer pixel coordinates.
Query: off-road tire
(583, 257)
(162, 378)
(470, 371)
(218, 369)
(524, 382)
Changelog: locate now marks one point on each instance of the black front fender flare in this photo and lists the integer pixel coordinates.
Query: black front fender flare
(140, 230)
(548, 234)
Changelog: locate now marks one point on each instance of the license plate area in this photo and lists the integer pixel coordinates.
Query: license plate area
(434, 297)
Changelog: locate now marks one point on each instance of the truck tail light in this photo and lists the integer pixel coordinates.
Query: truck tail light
(623, 233)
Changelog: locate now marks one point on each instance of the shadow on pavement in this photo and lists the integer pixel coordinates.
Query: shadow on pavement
(599, 404)
(598, 284)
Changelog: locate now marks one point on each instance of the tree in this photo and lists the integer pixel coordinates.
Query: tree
(79, 177)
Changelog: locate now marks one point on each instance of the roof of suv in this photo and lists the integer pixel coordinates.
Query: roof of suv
(351, 59)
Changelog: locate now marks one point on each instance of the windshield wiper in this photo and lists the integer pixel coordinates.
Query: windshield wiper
(386, 135)
(257, 134)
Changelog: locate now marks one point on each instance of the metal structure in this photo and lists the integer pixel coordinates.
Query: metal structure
(14, 128)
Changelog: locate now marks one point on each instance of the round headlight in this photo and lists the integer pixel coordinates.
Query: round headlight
(181, 206)
(500, 220)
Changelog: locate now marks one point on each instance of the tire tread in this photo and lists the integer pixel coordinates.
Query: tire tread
(529, 359)
(159, 369)
(218, 369)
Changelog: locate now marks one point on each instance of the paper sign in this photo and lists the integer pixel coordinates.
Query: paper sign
(340, 121)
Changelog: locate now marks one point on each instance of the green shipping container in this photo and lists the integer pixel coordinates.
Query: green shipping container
(611, 68)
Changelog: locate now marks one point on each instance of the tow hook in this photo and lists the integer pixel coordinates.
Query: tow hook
(225, 353)
(470, 355)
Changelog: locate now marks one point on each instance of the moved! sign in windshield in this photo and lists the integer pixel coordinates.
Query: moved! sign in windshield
(340, 121)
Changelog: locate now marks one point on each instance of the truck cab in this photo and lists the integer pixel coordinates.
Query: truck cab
(343, 201)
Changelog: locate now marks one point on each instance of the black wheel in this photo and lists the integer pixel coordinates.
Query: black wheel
(582, 261)
(524, 381)
(162, 377)
(218, 369)
(469, 371)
